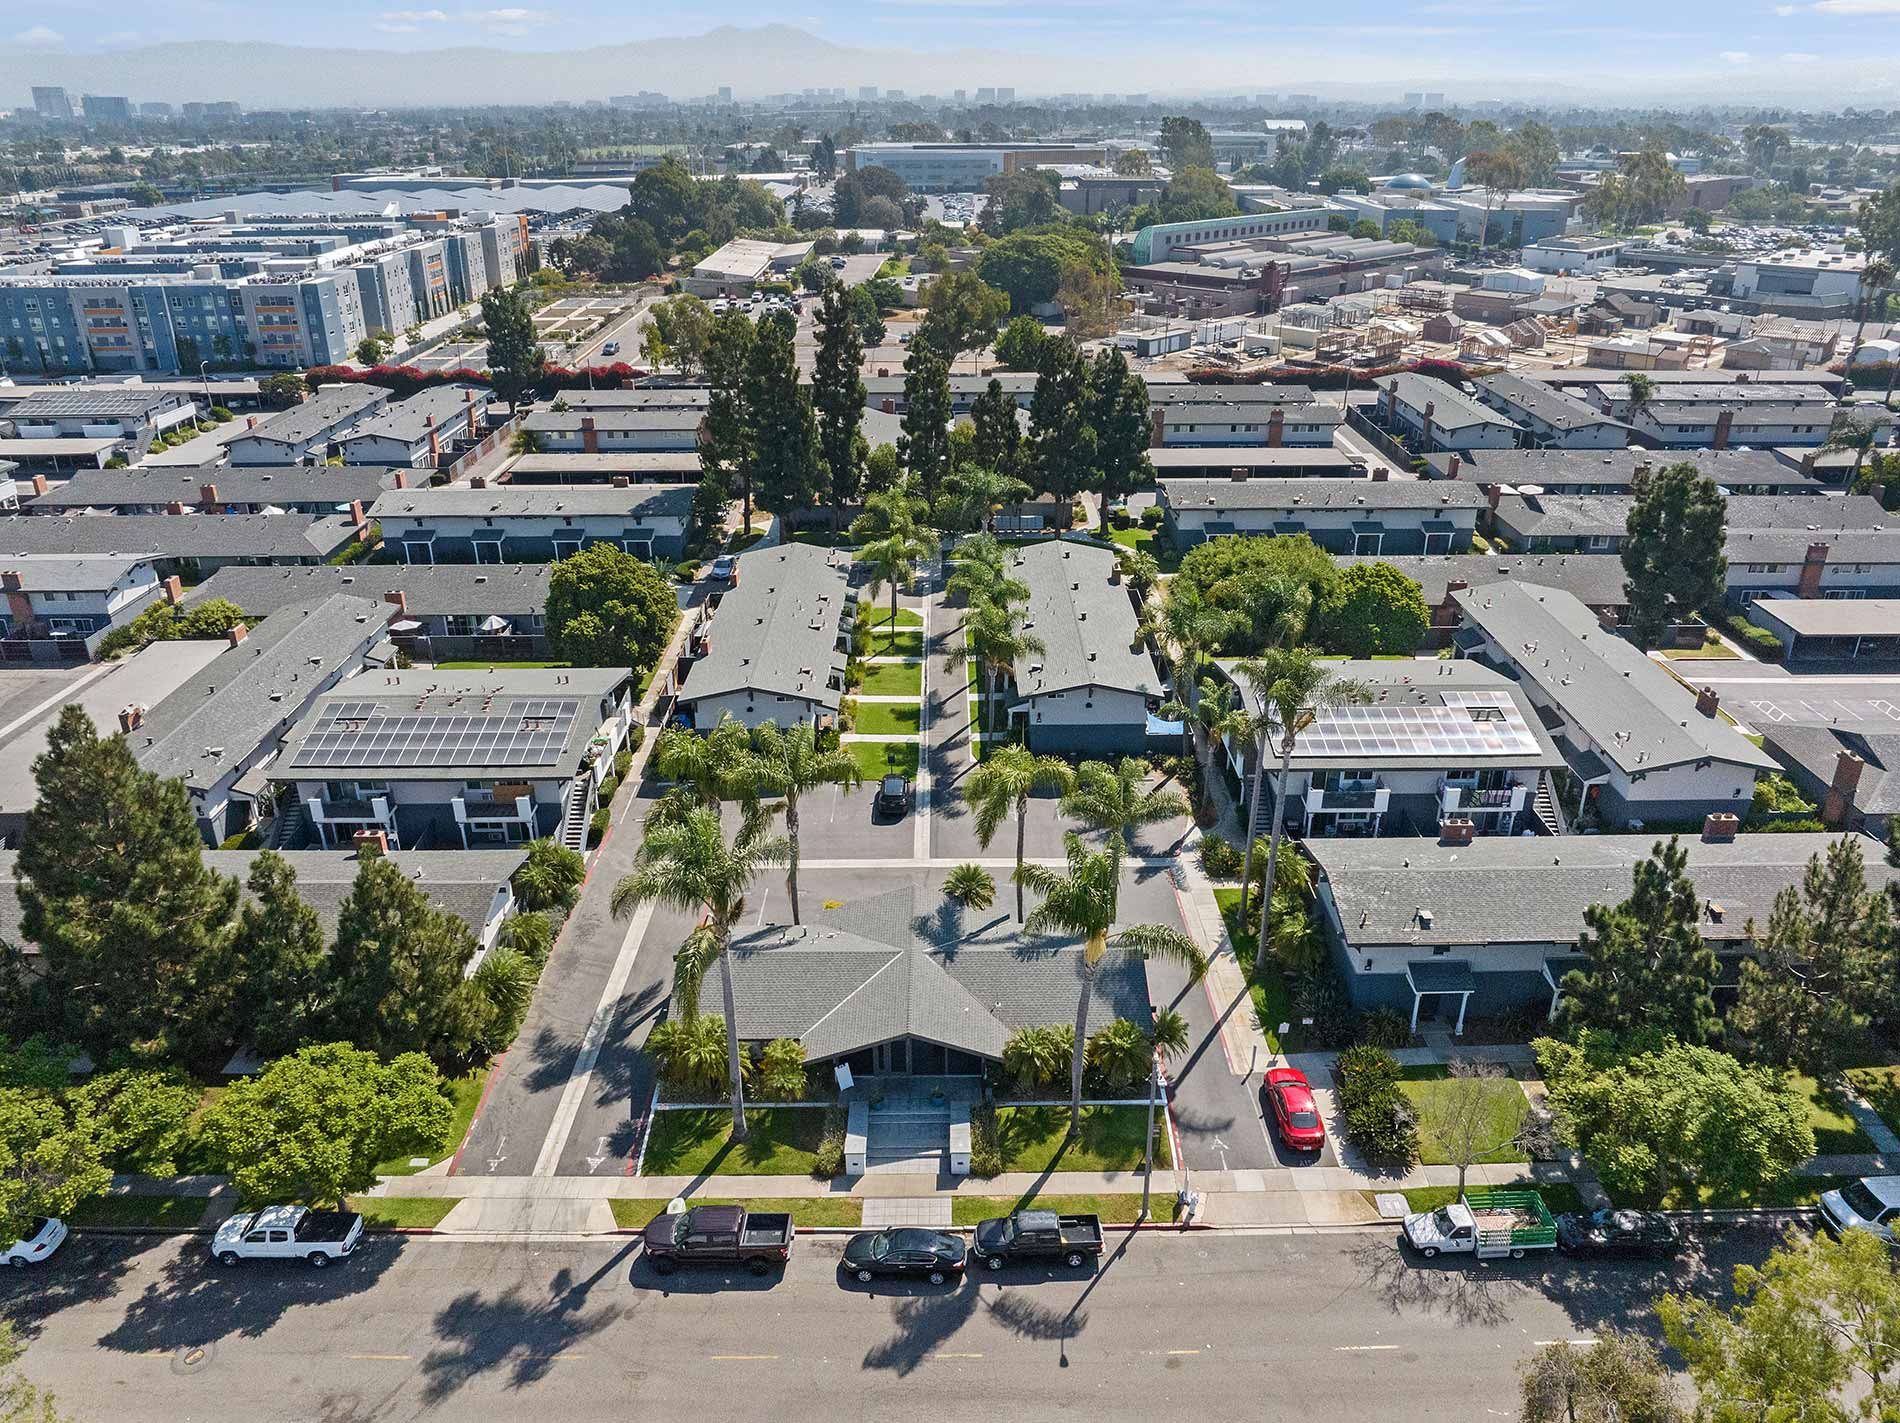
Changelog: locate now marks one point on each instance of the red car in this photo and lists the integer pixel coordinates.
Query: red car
(1295, 1113)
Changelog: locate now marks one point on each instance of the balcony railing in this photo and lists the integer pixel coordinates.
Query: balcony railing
(1455, 799)
(373, 810)
(477, 807)
(1364, 797)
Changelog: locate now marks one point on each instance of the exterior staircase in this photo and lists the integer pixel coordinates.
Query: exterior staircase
(908, 1136)
(286, 827)
(574, 815)
(1544, 807)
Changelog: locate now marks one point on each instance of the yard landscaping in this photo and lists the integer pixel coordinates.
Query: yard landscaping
(881, 618)
(1881, 1087)
(151, 1212)
(1836, 1133)
(402, 1212)
(466, 1093)
(1037, 1139)
(1114, 1210)
(904, 642)
(1150, 541)
(893, 679)
(696, 1141)
(887, 718)
(1272, 997)
(1505, 1108)
(805, 1211)
(884, 758)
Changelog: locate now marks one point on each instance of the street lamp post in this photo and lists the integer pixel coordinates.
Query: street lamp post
(204, 374)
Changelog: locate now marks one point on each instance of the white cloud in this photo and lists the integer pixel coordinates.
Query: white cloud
(1797, 56)
(1856, 7)
(510, 21)
(39, 37)
(1736, 56)
(408, 22)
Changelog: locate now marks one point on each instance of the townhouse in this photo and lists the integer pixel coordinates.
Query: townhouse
(131, 416)
(1597, 580)
(1432, 415)
(1202, 424)
(420, 432)
(533, 523)
(304, 433)
(1819, 560)
(618, 467)
(59, 607)
(1557, 471)
(182, 545)
(1549, 418)
(237, 489)
(600, 430)
(1598, 523)
(1361, 516)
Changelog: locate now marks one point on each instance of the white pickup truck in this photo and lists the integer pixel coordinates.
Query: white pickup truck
(1487, 1224)
(287, 1233)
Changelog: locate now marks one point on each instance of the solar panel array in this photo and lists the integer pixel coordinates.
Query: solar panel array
(1468, 726)
(470, 731)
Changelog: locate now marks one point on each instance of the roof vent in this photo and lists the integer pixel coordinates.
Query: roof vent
(1424, 918)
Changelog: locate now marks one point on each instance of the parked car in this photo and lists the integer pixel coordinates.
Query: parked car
(1871, 1203)
(1487, 1224)
(287, 1233)
(1037, 1235)
(927, 1253)
(719, 1235)
(44, 1235)
(837, 264)
(893, 796)
(723, 567)
(1295, 1113)
(1613, 1232)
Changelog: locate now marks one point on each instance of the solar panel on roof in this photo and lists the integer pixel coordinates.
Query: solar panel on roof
(1467, 725)
(528, 731)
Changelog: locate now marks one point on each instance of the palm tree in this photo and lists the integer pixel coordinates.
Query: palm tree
(893, 560)
(1641, 388)
(995, 637)
(1852, 433)
(1215, 715)
(1003, 784)
(788, 764)
(1189, 630)
(1115, 799)
(686, 863)
(1083, 903)
(982, 575)
(1167, 1039)
(1291, 688)
(888, 511)
(700, 767)
(1874, 278)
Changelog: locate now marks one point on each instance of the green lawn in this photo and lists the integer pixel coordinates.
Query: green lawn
(1709, 652)
(1505, 1107)
(1560, 1196)
(1037, 1139)
(1114, 1210)
(1272, 997)
(479, 666)
(888, 718)
(402, 1212)
(902, 643)
(906, 618)
(1154, 542)
(884, 758)
(893, 679)
(466, 1093)
(156, 1212)
(1881, 1087)
(780, 1141)
(804, 1210)
(1835, 1132)
(1789, 1191)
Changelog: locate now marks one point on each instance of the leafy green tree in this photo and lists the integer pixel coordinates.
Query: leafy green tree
(961, 314)
(1030, 266)
(1673, 553)
(50, 1159)
(780, 1073)
(282, 957)
(1185, 143)
(973, 494)
(784, 465)
(668, 199)
(1266, 587)
(283, 389)
(396, 972)
(1001, 786)
(725, 436)
(924, 447)
(1676, 1122)
(1371, 610)
(688, 864)
(790, 765)
(143, 1117)
(20, 1400)
(1084, 902)
(1117, 413)
(867, 313)
(838, 397)
(550, 878)
(1118, 801)
(1648, 965)
(1618, 1378)
(1019, 348)
(685, 326)
(314, 1125)
(607, 608)
(892, 561)
(1023, 197)
(1811, 1339)
(515, 359)
(1194, 194)
(1060, 455)
(134, 930)
(371, 349)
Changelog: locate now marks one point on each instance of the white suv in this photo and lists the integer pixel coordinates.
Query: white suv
(1872, 1204)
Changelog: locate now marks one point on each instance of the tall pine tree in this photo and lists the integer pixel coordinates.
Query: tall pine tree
(1061, 449)
(785, 469)
(134, 930)
(283, 960)
(924, 447)
(1673, 550)
(1118, 414)
(998, 433)
(515, 359)
(724, 438)
(1649, 967)
(396, 971)
(837, 396)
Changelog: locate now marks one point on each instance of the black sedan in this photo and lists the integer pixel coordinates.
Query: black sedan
(1612, 1232)
(926, 1253)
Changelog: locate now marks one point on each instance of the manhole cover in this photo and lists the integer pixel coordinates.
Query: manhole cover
(193, 1358)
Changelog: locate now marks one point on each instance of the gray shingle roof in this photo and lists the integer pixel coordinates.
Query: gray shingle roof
(1297, 495)
(546, 501)
(606, 421)
(564, 465)
(1452, 409)
(1785, 546)
(1555, 468)
(1219, 412)
(268, 536)
(249, 693)
(1746, 415)
(776, 630)
(1172, 395)
(304, 422)
(1543, 402)
(462, 882)
(1634, 712)
(1505, 890)
(870, 971)
(1810, 754)
(647, 398)
(236, 484)
(508, 589)
(1594, 578)
(1568, 515)
(1834, 617)
(1169, 460)
(409, 420)
(1087, 623)
(56, 573)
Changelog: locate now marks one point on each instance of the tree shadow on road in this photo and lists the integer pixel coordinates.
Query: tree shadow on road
(515, 1332)
(194, 1303)
(87, 1269)
(1467, 1292)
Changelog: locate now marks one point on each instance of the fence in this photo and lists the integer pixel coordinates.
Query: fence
(1379, 439)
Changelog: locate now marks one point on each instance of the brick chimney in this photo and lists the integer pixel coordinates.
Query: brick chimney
(1722, 423)
(1721, 826)
(371, 844)
(1237, 474)
(250, 422)
(39, 483)
(1276, 428)
(1425, 431)
(19, 606)
(237, 634)
(1446, 614)
(888, 405)
(1451, 466)
(356, 513)
(1813, 565)
(622, 482)
(1838, 804)
(174, 507)
(1157, 428)
(174, 590)
(208, 495)
(1708, 701)
(131, 718)
(435, 442)
(1380, 474)
(398, 599)
(1807, 462)
(402, 479)
(590, 437)
(1457, 830)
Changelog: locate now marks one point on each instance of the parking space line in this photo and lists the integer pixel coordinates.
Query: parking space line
(1369, 1348)
(742, 1358)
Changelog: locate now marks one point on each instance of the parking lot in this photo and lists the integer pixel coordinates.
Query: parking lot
(1765, 696)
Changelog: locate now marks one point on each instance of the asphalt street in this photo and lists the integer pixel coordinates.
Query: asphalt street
(1274, 1327)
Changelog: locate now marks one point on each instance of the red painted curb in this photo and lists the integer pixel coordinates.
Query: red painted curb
(494, 1070)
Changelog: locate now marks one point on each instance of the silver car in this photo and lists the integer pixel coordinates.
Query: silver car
(1872, 1203)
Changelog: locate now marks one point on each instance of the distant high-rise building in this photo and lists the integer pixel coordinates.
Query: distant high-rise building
(51, 102)
(1005, 95)
(1302, 101)
(867, 91)
(986, 96)
(725, 93)
(957, 96)
(1137, 101)
(1433, 101)
(106, 109)
(155, 109)
(1266, 101)
(893, 93)
(1414, 101)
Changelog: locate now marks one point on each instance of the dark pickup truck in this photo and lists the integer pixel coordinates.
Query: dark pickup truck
(719, 1235)
(1038, 1235)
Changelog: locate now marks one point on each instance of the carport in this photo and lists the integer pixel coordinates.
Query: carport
(1834, 631)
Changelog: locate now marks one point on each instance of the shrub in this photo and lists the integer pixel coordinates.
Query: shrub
(530, 934)
(1151, 517)
(636, 738)
(607, 789)
(1219, 858)
(1384, 1027)
(779, 1074)
(848, 714)
(623, 763)
(222, 415)
(828, 1159)
(597, 826)
(1323, 998)
(1378, 1118)
(551, 876)
(970, 885)
(1037, 1058)
(986, 1154)
(1118, 518)
(690, 1054)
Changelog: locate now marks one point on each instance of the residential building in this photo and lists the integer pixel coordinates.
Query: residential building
(1548, 418)
(1287, 461)
(964, 167)
(431, 757)
(533, 523)
(1712, 425)
(108, 109)
(1641, 747)
(220, 731)
(1365, 516)
(1598, 581)
(422, 432)
(1562, 471)
(774, 647)
(1200, 424)
(175, 545)
(1435, 416)
(886, 392)
(304, 433)
(239, 489)
(643, 430)
(1448, 933)
(1094, 687)
(58, 607)
(1824, 561)
(616, 467)
(1848, 774)
(1598, 523)
(130, 416)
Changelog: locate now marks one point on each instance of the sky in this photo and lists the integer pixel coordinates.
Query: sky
(1849, 48)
